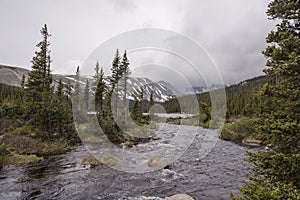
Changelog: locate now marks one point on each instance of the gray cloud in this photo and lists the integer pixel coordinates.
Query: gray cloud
(233, 32)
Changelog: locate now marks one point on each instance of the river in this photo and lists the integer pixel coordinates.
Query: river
(214, 176)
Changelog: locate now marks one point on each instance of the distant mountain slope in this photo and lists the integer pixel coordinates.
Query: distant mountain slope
(12, 75)
(162, 91)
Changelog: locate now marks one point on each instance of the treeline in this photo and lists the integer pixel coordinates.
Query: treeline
(7, 92)
(241, 99)
(116, 114)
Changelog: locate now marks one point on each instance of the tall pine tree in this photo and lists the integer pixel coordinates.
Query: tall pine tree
(151, 100)
(86, 95)
(99, 95)
(116, 74)
(38, 87)
(97, 68)
(276, 174)
(76, 94)
(125, 72)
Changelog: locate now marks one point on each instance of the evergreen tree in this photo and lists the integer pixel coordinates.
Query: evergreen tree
(38, 87)
(151, 100)
(76, 94)
(125, 72)
(68, 90)
(96, 76)
(60, 107)
(21, 92)
(47, 101)
(276, 174)
(135, 110)
(283, 65)
(115, 70)
(47, 111)
(107, 104)
(63, 119)
(86, 95)
(99, 95)
(116, 74)
(141, 101)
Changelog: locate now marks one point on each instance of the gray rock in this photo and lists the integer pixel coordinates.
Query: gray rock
(157, 162)
(180, 197)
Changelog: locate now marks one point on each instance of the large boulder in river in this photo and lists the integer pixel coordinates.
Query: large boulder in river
(180, 197)
(157, 162)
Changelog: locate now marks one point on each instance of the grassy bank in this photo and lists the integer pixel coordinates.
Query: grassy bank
(21, 147)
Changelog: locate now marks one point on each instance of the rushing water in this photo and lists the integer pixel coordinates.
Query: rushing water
(214, 176)
(172, 115)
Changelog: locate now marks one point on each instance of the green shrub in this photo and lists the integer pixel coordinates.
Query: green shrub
(263, 190)
(239, 130)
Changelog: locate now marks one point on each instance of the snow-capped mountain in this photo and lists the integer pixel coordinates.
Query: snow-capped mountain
(196, 90)
(162, 91)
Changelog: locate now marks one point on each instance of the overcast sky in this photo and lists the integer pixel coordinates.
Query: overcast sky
(232, 32)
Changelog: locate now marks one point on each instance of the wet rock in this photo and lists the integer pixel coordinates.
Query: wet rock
(180, 197)
(158, 162)
(156, 138)
(34, 194)
(93, 162)
(126, 145)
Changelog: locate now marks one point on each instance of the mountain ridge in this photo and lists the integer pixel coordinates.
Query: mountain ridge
(162, 90)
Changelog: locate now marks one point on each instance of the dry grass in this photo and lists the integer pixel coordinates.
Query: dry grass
(17, 160)
(26, 145)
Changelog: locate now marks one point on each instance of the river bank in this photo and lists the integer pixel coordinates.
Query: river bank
(21, 147)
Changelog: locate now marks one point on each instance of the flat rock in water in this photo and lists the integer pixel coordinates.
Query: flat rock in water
(180, 197)
(157, 162)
